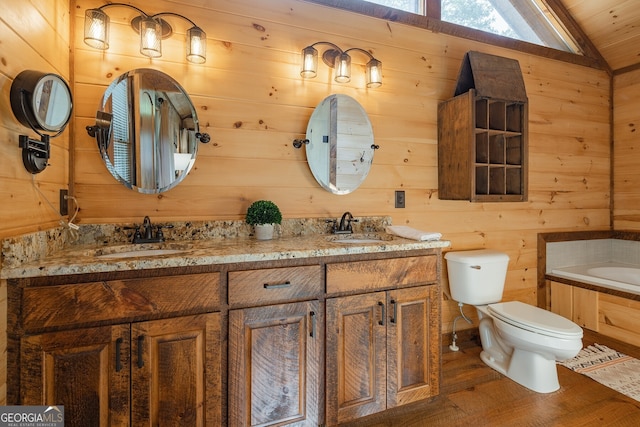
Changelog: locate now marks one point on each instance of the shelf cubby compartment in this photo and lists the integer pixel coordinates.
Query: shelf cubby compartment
(514, 117)
(497, 149)
(514, 150)
(497, 180)
(482, 179)
(497, 115)
(482, 147)
(482, 113)
(513, 180)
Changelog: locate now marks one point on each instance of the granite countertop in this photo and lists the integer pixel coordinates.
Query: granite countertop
(101, 258)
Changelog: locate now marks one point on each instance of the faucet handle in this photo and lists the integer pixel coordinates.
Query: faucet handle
(334, 224)
(137, 235)
(159, 233)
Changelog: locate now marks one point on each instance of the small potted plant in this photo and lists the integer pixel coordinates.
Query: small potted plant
(263, 214)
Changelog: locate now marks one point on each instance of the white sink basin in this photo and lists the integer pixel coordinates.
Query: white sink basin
(137, 253)
(355, 239)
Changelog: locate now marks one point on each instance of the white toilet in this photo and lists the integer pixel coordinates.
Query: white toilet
(519, 340)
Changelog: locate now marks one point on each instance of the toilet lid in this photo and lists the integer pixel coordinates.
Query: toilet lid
(535, 319)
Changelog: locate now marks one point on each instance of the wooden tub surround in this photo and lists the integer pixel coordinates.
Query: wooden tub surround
(295, 330)
(610, 312)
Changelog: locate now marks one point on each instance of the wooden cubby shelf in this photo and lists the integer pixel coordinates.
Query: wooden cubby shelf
(482, 133)
(482, 149)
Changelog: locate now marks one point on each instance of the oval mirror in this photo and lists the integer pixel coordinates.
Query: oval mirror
(147, 131)
(339, 144)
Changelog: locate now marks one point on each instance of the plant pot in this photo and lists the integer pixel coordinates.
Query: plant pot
(263, 231)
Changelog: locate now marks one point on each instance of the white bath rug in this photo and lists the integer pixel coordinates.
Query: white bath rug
(609, 367)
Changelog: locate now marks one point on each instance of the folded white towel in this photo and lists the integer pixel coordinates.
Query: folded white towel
(412, 233)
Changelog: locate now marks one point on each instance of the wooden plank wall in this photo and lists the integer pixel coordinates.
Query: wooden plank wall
(34, 35)
(252, 101)
(626, 157)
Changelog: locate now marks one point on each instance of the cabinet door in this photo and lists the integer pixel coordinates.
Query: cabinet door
(276, 365)
(413, 345)
(356, 356)
(86, 370)
(175, 370)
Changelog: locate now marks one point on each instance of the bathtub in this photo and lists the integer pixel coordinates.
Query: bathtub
(618, 276)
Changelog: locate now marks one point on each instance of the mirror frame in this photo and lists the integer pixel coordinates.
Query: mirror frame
(28, 93)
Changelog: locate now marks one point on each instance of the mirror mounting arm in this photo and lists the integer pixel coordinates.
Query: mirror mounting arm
(297, 143)
(203, 137)
(35, 154)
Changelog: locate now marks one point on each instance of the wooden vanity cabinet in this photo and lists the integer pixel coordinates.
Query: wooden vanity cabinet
(383, 348)
(276, 362)
(304, 342)
(160, 371)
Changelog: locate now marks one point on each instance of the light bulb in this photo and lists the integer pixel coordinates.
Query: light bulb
(150, 37)
(96, 29)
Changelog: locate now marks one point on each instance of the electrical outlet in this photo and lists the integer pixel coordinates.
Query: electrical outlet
(64, 203)
(400, 199)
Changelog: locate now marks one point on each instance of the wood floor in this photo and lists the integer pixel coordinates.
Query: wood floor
(473, 394)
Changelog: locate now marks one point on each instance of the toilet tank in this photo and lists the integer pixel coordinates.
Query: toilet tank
(477, 277)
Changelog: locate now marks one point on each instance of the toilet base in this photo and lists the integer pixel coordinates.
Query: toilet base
(533, 371)
(530, 370)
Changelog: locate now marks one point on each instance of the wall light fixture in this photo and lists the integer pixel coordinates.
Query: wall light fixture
(152, 29)
(339, 60)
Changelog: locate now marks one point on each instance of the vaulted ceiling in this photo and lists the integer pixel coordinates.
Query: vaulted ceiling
(613, 28)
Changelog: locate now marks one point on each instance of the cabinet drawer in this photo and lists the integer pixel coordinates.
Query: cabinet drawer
(116, 300)
(271, 285)
(382, 273)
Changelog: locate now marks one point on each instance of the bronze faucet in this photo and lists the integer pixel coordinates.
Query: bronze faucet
(344, 226)
(146, 235)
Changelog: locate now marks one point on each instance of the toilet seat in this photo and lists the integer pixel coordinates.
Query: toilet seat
(535, 319)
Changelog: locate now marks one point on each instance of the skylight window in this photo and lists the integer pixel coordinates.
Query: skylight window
(413, 6)
(527, 20)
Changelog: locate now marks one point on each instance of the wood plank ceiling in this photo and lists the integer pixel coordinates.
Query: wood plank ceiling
(613, 27)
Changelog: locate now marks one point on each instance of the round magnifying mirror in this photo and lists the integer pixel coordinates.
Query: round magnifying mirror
(41, 101)
(147, 131)
(340, 144)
